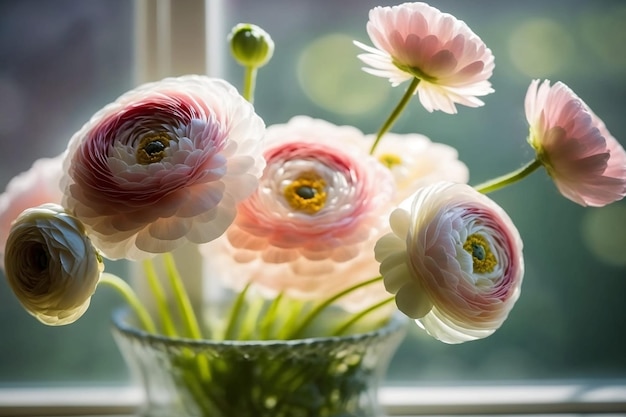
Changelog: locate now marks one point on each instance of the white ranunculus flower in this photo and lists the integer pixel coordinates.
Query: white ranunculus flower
(51, 264)
(454, 262)
(415, 161)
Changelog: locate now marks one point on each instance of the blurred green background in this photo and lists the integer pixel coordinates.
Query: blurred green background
(61, 61)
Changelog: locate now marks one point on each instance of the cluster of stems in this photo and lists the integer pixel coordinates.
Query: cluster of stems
(301, 315)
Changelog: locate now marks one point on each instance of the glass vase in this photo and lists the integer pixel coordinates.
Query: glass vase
(313, 377)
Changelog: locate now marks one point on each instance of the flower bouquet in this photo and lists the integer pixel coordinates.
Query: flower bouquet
(318, 236)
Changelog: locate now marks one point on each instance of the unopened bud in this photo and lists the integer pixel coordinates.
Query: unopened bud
(250, 45)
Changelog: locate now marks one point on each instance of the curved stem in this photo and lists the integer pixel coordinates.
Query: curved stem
(233, 317)
(358, 316)
(270, 316)
(182, 298)
(508, 179)
(326, 303)
(188, 316)
(250, 320)
(131, 298)
(395, 113)
(249, 82)
(161, 300)
(290, 312)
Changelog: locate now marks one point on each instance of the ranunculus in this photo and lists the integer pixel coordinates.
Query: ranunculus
(38, 185)
(454, 261)
(164, 164)
(415, 40)
(51, 264)
(416, 161)
(587, 164)
(321, 203)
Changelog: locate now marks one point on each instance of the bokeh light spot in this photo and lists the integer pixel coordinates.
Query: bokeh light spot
(604, 231)
(330, 75)
(540, 47)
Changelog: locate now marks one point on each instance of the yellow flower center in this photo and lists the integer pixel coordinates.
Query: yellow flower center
(482, 256)
(306, 193)
(152, 148)
(390, 160)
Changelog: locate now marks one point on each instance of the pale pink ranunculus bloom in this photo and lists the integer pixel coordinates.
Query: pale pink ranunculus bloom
(51, 264)
(587, 164)
(454, 261)
(416, 161)
(31, 188)
(309, 228)
(164, 164)
(417, 40)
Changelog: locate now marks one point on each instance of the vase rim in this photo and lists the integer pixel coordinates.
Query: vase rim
(396, 323)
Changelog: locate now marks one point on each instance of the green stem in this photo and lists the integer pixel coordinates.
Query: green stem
(131, 298)
(395, 113)
(233, 317)
(182, 298)
(507, 179)
(161, 300)
(326, 303)
(249, 82)
(250, 322)
(358, 316)
(290, 312)
(269, 317)
(188, 316)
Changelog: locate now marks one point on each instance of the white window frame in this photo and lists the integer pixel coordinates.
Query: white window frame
(505, 399)
(185, 36)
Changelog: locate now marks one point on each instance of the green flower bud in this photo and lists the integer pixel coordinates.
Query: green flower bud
(250, 45)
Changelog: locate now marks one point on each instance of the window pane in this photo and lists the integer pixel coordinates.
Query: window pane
(569, 321)
(60, 61)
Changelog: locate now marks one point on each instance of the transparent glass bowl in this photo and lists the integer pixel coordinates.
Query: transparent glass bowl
(314, 377)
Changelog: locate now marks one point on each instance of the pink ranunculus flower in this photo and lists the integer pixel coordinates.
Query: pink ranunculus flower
(587, 164)
(415, 40)
(51, 265)
(38, 185)
(454, 261)
(322, 200)
(416, 161)
(164, 164)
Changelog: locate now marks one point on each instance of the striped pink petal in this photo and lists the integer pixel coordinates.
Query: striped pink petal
(163, 165)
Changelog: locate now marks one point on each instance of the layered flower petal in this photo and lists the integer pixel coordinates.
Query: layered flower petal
(38, 185)
(308, 229)
(164, 164)
(454, 261)
(587, 164)
(51, 264)
(416, 161)
(417, 40)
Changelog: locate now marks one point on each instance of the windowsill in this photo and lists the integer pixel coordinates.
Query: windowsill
(541, 398)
